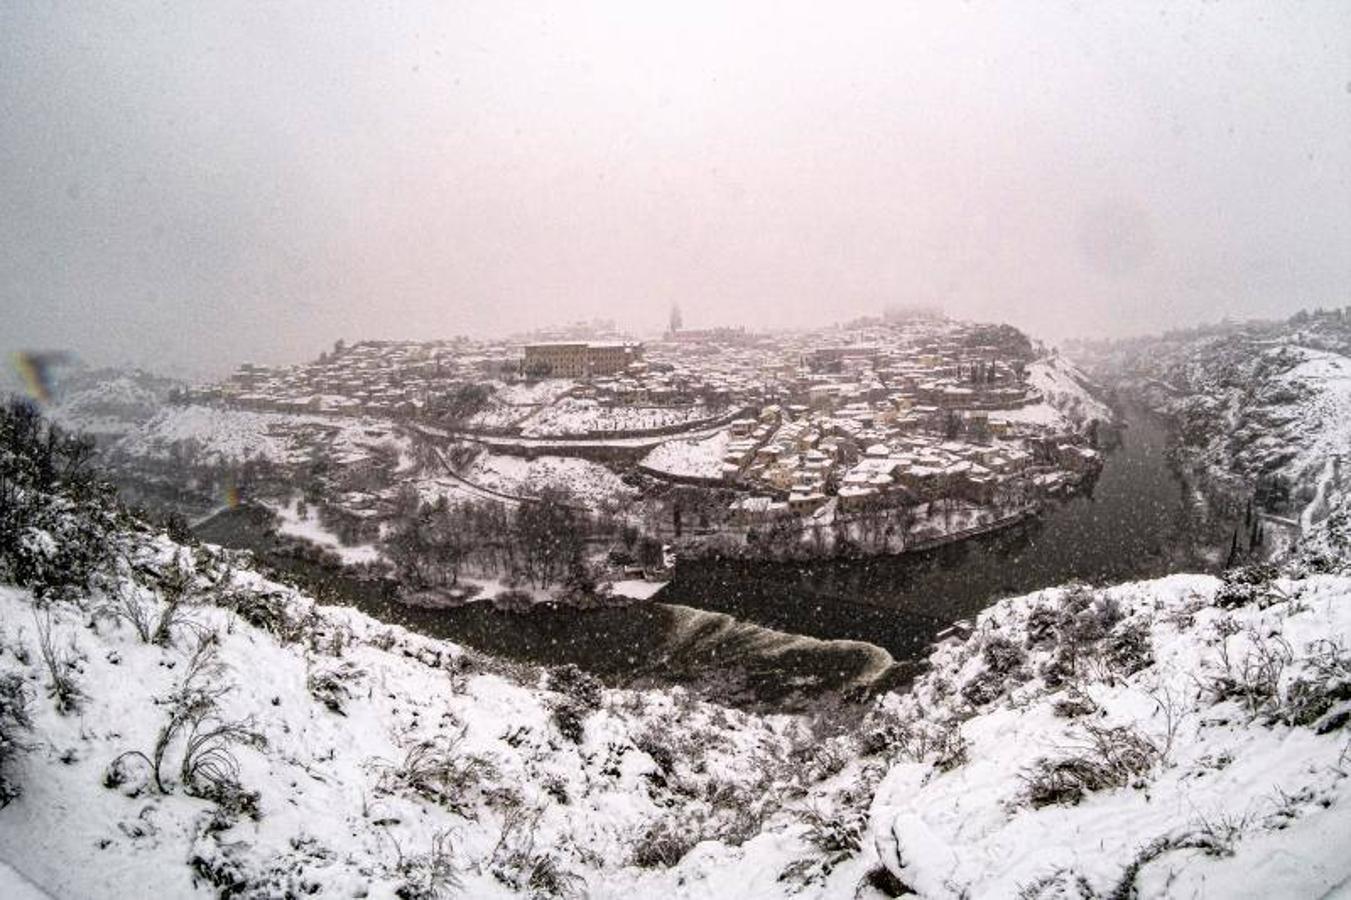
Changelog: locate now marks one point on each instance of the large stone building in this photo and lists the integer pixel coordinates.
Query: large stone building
(579, 359)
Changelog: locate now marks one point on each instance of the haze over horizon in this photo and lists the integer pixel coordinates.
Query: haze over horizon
(185, 186)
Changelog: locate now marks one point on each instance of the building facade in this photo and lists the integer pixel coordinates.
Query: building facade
(579, 359)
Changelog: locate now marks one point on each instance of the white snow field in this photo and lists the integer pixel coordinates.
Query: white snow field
(590, 482)
(696, 459)
(307, 526)
(371, 754)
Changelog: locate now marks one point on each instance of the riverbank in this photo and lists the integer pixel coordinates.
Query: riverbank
(779, 634)
(1138, 519)
(629, 643)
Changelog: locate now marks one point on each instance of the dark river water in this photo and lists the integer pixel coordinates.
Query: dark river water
(779, 634)
(1137, 520)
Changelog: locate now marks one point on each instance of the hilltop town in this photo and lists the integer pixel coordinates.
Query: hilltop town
(875, 437)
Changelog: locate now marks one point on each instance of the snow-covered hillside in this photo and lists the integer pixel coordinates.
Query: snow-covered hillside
(174, 723)
(108, 403)
(1261, 409)
(1181, 737)
(1320, 420)
(350, 758)
(574, 417)
(590, 482)
(690, 459)
(1068, 395)
(311, 750)
(217, 434)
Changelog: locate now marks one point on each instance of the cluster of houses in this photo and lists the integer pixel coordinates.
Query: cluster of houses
(884, 413)
(816, 461)
(377, 378)
(897, 415)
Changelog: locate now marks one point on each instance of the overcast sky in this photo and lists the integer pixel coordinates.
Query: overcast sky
(193, 184)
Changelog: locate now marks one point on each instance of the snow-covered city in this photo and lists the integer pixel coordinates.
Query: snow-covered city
(715, 451)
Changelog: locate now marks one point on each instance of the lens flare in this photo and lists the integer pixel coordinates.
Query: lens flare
(36, 370)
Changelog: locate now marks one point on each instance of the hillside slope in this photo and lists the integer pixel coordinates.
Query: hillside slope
(178, 723)
(174, 722)
(1262, 409)
(1068, 391)
(352, 759)
(1180, 737)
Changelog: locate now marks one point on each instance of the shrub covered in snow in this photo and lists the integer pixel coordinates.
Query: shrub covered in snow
(13, 720)
(1162, 735)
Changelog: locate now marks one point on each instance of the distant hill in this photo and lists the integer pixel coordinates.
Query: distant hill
(108, 403)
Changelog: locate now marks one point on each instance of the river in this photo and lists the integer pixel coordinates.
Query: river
(779, 635)
(1137, 520)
